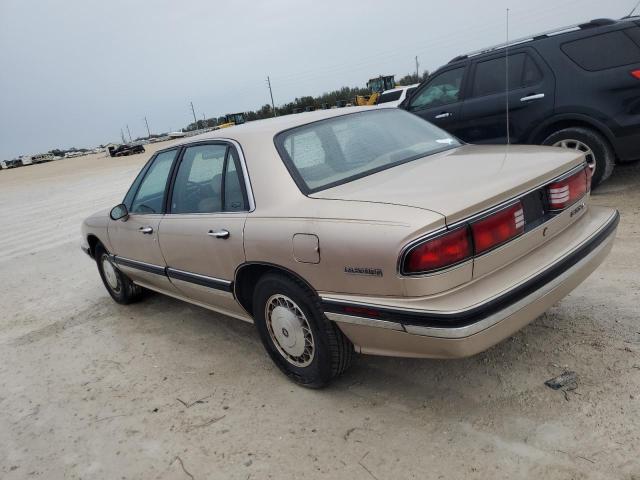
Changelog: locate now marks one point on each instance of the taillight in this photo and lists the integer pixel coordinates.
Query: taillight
(498, 228)
(443, 251)
(565, 192)
(636, 73)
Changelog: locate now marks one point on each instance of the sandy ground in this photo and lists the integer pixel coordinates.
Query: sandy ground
(164, 390)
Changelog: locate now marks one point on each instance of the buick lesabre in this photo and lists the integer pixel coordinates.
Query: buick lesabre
(355, 231)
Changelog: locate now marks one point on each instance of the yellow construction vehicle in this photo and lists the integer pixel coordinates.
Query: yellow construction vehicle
(377, 86)
(231, 119)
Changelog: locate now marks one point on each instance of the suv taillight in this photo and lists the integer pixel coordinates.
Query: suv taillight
(567, 191)
(440, 252)
(498, 228)
(636, 73)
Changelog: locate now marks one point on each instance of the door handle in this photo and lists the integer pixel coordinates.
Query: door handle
(443, 115)
(219, 233)
(146, 230)
(536, 96)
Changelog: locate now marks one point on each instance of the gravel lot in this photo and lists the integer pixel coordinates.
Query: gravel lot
(165, 390)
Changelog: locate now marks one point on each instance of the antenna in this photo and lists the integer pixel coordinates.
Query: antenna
(506, 75)
(633, 11)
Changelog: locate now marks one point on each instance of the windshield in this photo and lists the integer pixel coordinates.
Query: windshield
(341, 149)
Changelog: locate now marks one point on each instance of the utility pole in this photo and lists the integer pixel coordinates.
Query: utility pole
(273, 106)
(147, 124)
(195, 121)
(129, 132)
(417, 69)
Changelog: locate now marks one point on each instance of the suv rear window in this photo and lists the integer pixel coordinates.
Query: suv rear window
(601, 52)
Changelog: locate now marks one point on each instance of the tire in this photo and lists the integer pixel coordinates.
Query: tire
(281, 304)
(119, 286)
(598, 151)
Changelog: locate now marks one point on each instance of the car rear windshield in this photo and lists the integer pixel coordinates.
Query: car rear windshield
(608, 50)
(338, 150)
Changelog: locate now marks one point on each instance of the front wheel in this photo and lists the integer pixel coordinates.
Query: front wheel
(596, 149)
(301, 341)
(119, 286)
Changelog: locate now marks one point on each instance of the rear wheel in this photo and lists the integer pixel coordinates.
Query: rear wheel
(597, 150)
(119, 286)
(301, 341)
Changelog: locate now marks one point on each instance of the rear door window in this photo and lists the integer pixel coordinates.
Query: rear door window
(209, 180)
(490, 76)
(198, 184)
(601, 52)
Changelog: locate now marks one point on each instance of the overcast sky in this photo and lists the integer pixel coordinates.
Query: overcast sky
(74, 72)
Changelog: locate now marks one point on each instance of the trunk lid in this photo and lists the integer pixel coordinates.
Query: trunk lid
(460, 182)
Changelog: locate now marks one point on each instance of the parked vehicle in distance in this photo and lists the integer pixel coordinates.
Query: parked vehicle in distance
(577, 87)
(394, 97)
(125, 150)
(7, 164)
(42, 158)
(363, 230)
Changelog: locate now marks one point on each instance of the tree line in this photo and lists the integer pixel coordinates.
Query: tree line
(344, 94)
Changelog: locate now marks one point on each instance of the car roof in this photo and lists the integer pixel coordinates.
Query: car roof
(586, 27)
(270, 127)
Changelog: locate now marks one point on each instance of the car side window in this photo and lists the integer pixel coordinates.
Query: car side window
(234, 192)
(490, 74)
(209, 180)
(443, 89)
(198, 183)
(150, 195)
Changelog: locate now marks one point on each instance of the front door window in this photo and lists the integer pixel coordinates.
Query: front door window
(443, 89)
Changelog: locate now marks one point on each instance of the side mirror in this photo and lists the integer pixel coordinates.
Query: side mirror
(119, 212)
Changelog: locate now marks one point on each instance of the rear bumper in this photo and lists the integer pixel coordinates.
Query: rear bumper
(411, 332)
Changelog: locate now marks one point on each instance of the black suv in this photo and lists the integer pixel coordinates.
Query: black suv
(578, 87)
(125, 150)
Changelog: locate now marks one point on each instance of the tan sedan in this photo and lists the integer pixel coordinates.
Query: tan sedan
(355, 230)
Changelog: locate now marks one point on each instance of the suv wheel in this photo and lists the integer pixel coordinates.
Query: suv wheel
(301, 341)
(119, 286)
(596, 149)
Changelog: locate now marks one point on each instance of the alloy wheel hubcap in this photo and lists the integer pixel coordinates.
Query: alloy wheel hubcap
(110, 274)
(289, 330)
(581, 147)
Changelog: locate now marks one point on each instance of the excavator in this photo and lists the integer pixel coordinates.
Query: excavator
(377, 86)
